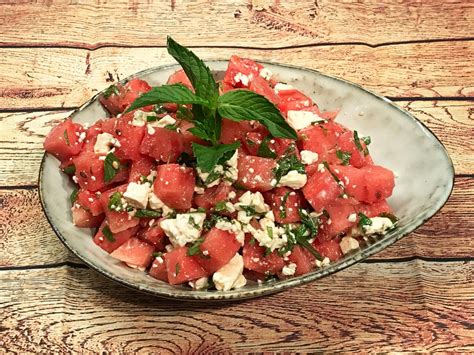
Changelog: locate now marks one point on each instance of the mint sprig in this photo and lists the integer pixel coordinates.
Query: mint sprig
(209, 108)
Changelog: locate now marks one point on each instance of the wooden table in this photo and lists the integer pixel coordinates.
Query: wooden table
(418, 295)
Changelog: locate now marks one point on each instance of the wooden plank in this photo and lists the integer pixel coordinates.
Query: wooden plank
(27, 239)
(62, 77)
(262, 23)
(414, 306)
(22, 136)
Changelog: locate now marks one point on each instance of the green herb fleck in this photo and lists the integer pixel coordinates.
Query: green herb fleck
(311, 223)
(286, 164)
(364, 220)
(111, 90)
(73, 196)
(145, 213)
(70, 169)
(108, 234)
(66, 138)
(184, 113)
(283, 204)
(270, 232)
(157, 254)
(115, 201)
(151, 118)
(111, 167)
(192, 222)
(264, 150)
(176, 269)
(344, 157)
(220, 206)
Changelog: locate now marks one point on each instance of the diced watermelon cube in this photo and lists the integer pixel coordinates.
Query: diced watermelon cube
(63, 141)
(153, 234)
(142, 167)
(375, 209)
(379, 183)
(180, 77)
(129, 137)
(174, 185)
(346, 144)
(158, 269)
(117, 98)
(164, 144)
(134, 252)
(321, 189)
(181, 267)
(213, 195)
(303, 259)
(232, 131)
(256, 173)
(110, 244)
(217, 249)
(262, 87)
(90, 201)
(117, 221)
(342, 216)
(285, 204)
(293, 100)
(353, 180)
(329, 249)
(256, 260)
(319, 139)
(84, 219)
(243, 66)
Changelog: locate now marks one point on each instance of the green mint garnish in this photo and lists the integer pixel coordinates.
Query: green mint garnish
(111, 167)
(115, 201)
(283, 205)
(364, 220)
(73, 196)
(286, 164)
(70, 169)
(144, 213)
(66, 138)
(108, 234)
(208, 156)
(344, 157)
(264, 150)
(111, 90)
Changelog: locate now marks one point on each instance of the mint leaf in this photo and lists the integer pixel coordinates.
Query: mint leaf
(344, 157)
(66, 138)
(108, 234)
(176, 93)
(208, 157)
(73, 196)
(240, 105)
(111, 167)
(115, 201)
(70, 169)
(144, 213)
(111, 90)
(197, 72)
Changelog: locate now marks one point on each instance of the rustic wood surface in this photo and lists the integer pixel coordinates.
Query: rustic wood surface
(417, 295)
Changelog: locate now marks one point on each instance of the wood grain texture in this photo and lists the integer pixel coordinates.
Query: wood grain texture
(412, 306)
(63, 77)
(22, 136)
(261, 23)
(27, 239)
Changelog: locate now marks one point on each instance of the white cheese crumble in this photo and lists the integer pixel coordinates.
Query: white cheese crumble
(163, 122)
(352, 217)
(254, 200)
(308, 157)
(231, 174)
(104, 143)
(185, 228)
(348, 244)
(380, 225)
(302, 119)
(325, 262)
(266, 74)
(242, 78)
(140, 118)
(282, 87)
(217, 172)
(199, 190)
(136, 195)
(156, 204)
(293, 179)
(230, 275)
(321, 168)
(269, 236)
(199, 284)
(289, 269)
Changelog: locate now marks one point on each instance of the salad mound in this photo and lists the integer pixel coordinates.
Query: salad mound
(212, 184)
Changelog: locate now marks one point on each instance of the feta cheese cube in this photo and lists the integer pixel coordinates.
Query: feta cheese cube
(163, 122)
(289, 269)
(230, 275)
(352, 217)
(348, 244)
(308, 157)
(136, 195)
(140, 118)
(380, 225)
(199, 284)
(302, 119)
(185, 228)
(253, 199)
(293, 179)
(104, 143)
(266, 74)
(155, 203)
(242, 78)
(283, 87)
(233, 227)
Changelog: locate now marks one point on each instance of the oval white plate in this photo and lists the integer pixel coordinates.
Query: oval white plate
(399, 142)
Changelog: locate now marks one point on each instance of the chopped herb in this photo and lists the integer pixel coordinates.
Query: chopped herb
(239, 186)
(311, 223)
(357, 142)
(70, 169)
(111, 167)
(300, 236)
(344, 157)
(186, 159)
(213, 176)
(250, 142)
(264, 149)
(249, 210)
(172, 127)
(326, 165)
(73, 196)
(252, 241)
(151, 118)
(270, 231)
(212, 220)
(157, 254)
(108, 234)
(270, 278)
(283, 205)
(286, 164)
(201, 210)
(192, 222)
(176, 269)
(220, 206)
(111, 90)
(66, 137)
(144, 213)
(115, 201)
(364, 220)
(366, 141)
(195, 248)
(268, 251)
(159, 109)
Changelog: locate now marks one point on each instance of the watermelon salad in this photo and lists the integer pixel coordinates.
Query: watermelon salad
(212, 184)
